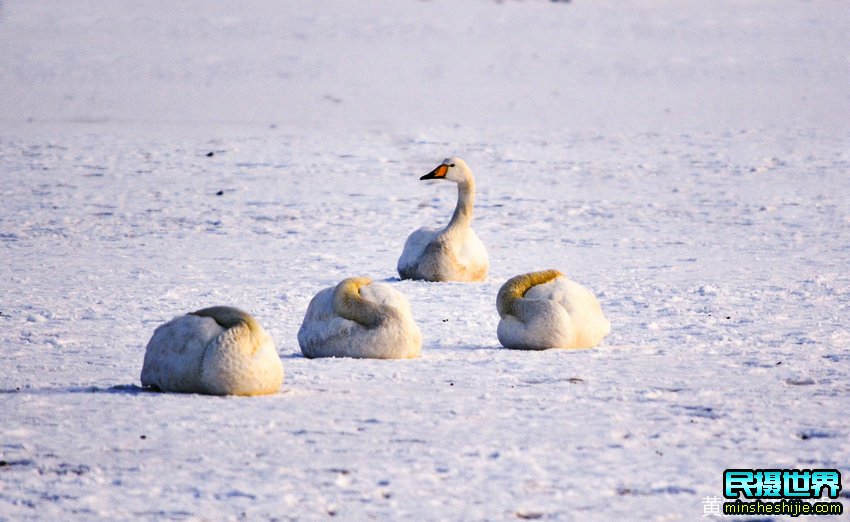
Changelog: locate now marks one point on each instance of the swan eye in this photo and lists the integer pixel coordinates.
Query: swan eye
(452, 165)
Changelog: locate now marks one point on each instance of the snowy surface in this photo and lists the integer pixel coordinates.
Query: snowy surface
(687, 161)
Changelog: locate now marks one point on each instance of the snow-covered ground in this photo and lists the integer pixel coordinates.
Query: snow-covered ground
(688, 161)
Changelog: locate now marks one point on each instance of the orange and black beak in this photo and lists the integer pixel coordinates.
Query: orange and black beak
(439, 172)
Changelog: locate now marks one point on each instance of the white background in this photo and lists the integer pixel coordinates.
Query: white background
(688, 161)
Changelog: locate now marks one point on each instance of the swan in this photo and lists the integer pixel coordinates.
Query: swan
(215, 351)
(359, 318)
(453, 253)
(545, 309)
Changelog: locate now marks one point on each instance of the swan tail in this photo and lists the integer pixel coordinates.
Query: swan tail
(349, 304)
(516, 287)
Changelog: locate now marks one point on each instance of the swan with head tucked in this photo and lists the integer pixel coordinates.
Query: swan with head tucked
(362, 319)
(215, 351)
(545, 309)
(452, 253)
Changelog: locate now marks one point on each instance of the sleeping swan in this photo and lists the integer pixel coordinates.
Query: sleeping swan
(215, 351)
(544, 310)
(359, 318)
(453, 253)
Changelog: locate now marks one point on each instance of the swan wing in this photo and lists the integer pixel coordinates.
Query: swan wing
(322, 330)
(242, 361)
(175, 353)
(588, 321)
(414, 249)
(540, 324)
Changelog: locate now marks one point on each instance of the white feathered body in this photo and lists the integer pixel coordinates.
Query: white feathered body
(444, 255)
(324, 333)
(194, 354)
(557, 314)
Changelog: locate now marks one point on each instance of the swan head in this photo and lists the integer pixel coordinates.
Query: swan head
(452, 169)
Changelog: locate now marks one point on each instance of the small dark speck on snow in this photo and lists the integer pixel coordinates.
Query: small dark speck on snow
(210, 154)
(530, 515)
(799, 382)
(68, 469)
(814, 434)
(15, 463)
(219, 193)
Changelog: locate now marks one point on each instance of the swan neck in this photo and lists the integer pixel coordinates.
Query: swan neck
(349, 304)
(241, 325)
(228, 317)
(511, 294)
(462, 216)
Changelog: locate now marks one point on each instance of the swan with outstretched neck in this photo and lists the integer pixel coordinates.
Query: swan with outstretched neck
(452, 253)
(545, 309)
(361, 319)
(216, 351)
